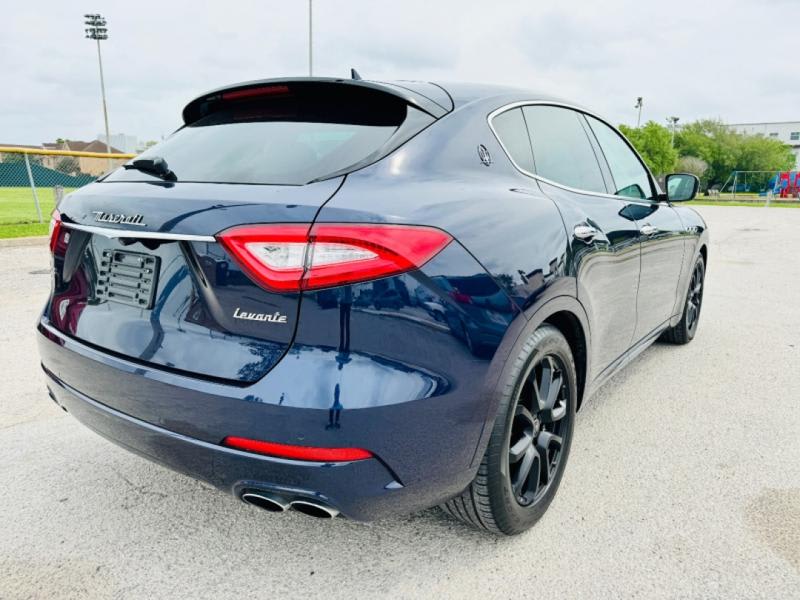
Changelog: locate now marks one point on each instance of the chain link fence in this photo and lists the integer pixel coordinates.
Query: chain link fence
(33, 180)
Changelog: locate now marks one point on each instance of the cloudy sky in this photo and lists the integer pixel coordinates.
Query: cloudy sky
(690, 58)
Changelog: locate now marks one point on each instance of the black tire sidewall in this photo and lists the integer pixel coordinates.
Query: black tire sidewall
(510, 516)
(689, 332)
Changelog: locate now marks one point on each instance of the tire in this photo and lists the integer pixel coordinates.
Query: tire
(685, 330)
(492, 502)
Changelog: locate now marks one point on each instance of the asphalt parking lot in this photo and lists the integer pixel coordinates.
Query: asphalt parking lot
(683, 482)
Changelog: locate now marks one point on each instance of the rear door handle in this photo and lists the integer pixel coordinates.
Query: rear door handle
(585, 233)
(648, 230)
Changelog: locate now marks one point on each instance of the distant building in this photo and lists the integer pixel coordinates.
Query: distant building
(45, 161)
(127, 143)
(786, 131)
(145, 146)
(14, 156)
(91, 166)
(77, 165)
(10, 156)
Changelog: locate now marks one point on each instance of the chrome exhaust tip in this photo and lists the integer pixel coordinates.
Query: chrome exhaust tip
(314, 509)
(266, 501)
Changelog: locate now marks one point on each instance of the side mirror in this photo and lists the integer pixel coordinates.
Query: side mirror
(681, 186)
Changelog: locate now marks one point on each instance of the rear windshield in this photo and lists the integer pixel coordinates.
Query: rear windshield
(290, 137)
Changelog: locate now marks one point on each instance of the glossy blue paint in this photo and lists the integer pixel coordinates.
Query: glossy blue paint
(476, 204)
(198, 208)
(405, 366)
(384, 377)
(190, 326)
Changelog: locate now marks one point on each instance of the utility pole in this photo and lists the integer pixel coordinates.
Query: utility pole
(674, 122)
(310, 39)
(96, 30)
(639, 102)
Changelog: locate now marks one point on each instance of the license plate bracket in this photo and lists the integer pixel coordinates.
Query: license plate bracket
(128, 277)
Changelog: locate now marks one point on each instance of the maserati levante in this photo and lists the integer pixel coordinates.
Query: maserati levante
(367, 298)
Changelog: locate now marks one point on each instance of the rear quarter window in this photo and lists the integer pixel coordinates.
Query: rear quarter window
(509, 126)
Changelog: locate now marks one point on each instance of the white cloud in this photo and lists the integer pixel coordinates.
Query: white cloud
(688, 58)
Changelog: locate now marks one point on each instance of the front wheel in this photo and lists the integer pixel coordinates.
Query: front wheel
(528, 449)
(684, 331)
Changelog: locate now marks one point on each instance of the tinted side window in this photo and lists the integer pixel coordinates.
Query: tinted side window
(511, 131)
(561, 148)
(630, 177)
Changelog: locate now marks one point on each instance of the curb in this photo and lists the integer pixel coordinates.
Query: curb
(39, 240)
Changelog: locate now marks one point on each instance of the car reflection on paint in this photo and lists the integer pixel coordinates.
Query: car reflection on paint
(479, 313)
(389, 299)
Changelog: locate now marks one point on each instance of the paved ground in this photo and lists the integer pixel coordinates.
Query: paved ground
(684, 480)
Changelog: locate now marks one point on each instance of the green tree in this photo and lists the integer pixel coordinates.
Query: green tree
(759, 153)
(712, 141)
(654, 143)
(693, 165)
(726, 150)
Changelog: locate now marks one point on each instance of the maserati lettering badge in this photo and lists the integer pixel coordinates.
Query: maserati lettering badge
(275, 317)
(104, 217)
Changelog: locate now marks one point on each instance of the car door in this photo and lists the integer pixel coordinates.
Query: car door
(604, 257)
(660, 231)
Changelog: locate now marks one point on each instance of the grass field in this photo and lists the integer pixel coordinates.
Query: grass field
(18, 216)
(23, 230)
(17, 206)
(18, 212)
(759, 204)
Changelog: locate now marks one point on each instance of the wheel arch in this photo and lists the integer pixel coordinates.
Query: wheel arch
(563, 312)
(570, 326)
(566, 314)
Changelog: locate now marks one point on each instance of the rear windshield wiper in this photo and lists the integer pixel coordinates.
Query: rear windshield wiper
(153, 166)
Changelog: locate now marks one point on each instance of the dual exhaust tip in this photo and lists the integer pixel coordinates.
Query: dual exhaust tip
(273, 503)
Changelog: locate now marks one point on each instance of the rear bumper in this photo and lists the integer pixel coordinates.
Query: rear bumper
(361, 490)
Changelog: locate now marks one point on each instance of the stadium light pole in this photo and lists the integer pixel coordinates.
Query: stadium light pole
(96, 30)
(310, 38)
(673, 121)
(639, 102)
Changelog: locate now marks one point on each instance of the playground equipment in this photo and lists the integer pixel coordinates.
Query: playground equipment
(780, 184)
(786, 184)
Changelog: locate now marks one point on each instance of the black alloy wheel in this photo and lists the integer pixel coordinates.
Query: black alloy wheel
(530, 439)
(685, 330)
(694, 298)
(538, 429)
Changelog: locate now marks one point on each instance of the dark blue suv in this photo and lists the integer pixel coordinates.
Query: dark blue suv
(367, 298)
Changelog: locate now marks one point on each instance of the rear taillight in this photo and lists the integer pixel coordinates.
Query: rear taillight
(55, 229)
(311, 453)
(290, 258)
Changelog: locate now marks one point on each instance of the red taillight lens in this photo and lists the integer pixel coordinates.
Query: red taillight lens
(274, 255)
(311, 453)
(55, 229)
(256, 92)
(288, 258)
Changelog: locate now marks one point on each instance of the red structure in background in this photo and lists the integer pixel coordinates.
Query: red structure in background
(787, 184)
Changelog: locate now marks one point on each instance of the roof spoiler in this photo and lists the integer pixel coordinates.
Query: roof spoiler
(194, 109)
